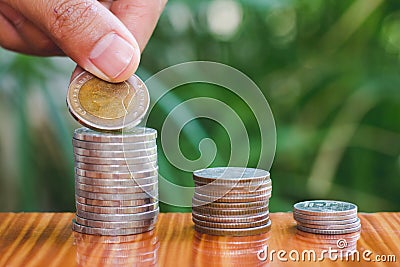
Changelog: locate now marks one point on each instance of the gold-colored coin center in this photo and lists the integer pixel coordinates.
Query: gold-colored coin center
(105, 100)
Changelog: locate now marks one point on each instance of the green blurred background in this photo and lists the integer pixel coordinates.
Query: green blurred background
(329, 69)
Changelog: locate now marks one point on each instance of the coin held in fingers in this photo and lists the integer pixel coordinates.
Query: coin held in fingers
(102, 105)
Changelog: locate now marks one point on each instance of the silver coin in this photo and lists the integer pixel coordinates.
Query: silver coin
(101, 196)
(116, 161)
(234, 232)
(329, 217)
(230, 225)
(116, 210)
(230, 173)
(216, 186)
(224, 199)
(115, 154)
(116, 182)
(329, 232)
(234, 219)
(327, 222)
(116, 168)
(230, 212)
(118, 217)
(116, 190)
(330, 226)
(105, 231)
(137, 134)
(114, 146)
(115, 203)
(117, 175)
(196, 202)
(325, 207)
(233, 193)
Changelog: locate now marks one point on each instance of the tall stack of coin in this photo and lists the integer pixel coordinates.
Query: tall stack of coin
(326, 217)
(231, 201)
(116, 181)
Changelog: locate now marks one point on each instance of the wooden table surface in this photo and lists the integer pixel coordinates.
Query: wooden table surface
(46, 239)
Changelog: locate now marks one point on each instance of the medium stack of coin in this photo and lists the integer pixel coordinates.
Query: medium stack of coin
(231, 201)
(116, 181)
(328, 217)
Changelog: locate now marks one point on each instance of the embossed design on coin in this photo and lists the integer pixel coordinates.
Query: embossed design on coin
(103, 105)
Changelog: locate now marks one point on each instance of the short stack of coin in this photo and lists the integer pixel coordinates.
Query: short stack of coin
(326, 217)
(231, 201)
(116, 181)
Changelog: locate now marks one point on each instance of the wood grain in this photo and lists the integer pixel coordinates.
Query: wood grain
(46, 239)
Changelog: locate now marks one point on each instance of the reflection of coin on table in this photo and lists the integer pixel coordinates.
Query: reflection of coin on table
(102, 105)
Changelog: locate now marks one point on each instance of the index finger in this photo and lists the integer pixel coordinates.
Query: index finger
(139, 16)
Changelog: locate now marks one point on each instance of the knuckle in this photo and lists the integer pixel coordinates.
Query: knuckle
(139, 6)
(71, 16)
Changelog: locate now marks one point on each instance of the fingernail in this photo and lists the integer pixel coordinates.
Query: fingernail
(112, 55)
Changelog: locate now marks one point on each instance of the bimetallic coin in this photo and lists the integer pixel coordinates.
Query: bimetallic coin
(330, 226)
(196, 202)
(116, 210)
(234, 232)
(106, 231)
(117, 175)
(102, 196)
(234, 219)
(137, 134)
(229, 173)
(329, 232)
(115, 154)
(230, 212)
(114, 146)
(116, 168)
(115, 203)
(230, 225)
(325, 207)
(116, 190)
(117, 217)
(116, 182)
(116, 161)
(103, 105)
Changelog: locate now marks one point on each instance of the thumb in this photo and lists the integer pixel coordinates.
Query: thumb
(88, 33)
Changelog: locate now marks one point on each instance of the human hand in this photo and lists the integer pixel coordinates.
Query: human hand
(103, 37)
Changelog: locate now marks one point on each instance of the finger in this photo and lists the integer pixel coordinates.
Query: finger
(88, 33)
(76, 72)
(139, 16)
(35, 41)
(9, 37)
